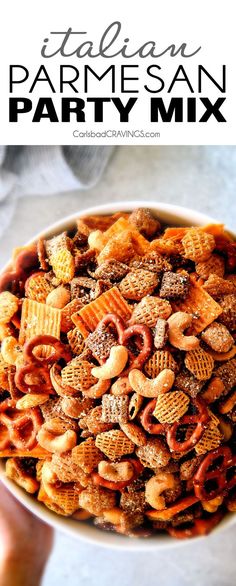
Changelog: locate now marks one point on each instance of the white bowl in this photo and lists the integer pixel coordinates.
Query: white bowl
(170, 214)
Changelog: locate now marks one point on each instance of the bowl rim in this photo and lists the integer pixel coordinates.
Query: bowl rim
(82, 530)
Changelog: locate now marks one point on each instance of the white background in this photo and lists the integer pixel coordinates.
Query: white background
(210, 25)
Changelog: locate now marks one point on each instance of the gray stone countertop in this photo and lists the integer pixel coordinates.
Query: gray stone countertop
(203, 178)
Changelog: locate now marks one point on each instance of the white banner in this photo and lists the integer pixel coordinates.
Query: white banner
(117, 73)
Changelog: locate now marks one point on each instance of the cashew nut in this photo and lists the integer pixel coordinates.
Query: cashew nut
(10, 350)
(97, 390)
(48, 476)
(151, 388)
(5, 330)
(49, 479)
(56, 443)
(178, 322)
(228, 404)
(96, 240)
(212, 505)
(31, 400)
(16, 473)
(155, 486)
(226, 429)
(113, 516)
(114, 364)
(121, 387)
(135, 405)
(120, 471)
(134, 433)
(58, 297)
(9, 304)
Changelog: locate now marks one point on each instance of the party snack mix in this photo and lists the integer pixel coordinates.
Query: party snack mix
(118, 374)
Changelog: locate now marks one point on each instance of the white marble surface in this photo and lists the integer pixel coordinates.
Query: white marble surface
(200, 177)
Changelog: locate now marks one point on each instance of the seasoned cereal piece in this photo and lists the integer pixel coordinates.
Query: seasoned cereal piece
(218, 337)
(114, 444)
(103, 223)
(200, 363)
(83, 228)
(178, 261)
(160, 360)
(67, 312)
(86, 455)
(115, 409)
(63, 265)
(130, 521)
(78, 292)
(214, 264)
(183, 518)
(122, 227)
(227, 373)
(76, 341)
(109, 302)
(101, 287)
(210, 440)
(65, 469)
(201, 305)
(170, 407)
(133, 502)
(77, 374)
(111, 270)
(83, 260)
(60, 242)
(85, 283)
(154, 454)
(93, 421)
(120, 247)
(216, 286)
(137, 284)
(144, 221)
(152, 261)
(95, 500)
(86, 354)
(228, 315)
(50, 409)
(39, 318)
(160, 333)
(198, 245)
(189, 467)
(50, 277)
(79, 241)
(75, 289)
(165, 246)
(174, 286)
(100, 342)
(188, 383)
(149, 309)
(37, 287)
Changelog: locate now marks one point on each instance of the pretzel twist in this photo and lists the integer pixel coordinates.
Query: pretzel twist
(17, 427)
